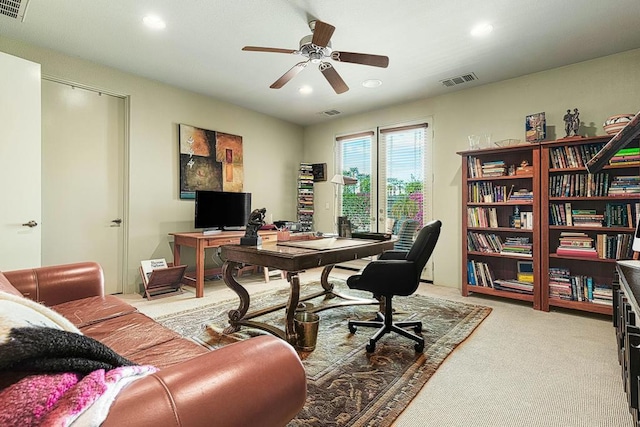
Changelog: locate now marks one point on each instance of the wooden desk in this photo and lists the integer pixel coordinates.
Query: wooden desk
(201, 241)
(293, 257)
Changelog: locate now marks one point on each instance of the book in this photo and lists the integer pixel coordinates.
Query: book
(149, 265)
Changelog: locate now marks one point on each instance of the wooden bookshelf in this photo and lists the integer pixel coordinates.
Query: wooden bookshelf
(562, 182)
(502, 207)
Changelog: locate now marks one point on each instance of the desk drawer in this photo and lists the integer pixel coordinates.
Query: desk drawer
(219, 241)
(269, 238)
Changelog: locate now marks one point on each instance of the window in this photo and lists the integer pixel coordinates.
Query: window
(391, 169)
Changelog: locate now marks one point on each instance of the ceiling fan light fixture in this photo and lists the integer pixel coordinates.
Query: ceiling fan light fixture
(372, 83)
(482, 29)
(305, 90)
(154, 22)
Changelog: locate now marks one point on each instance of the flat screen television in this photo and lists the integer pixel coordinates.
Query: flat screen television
(222, 210)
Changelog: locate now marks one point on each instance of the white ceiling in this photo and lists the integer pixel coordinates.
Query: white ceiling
(426, 40)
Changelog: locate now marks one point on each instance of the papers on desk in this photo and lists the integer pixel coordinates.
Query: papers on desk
(324, 244)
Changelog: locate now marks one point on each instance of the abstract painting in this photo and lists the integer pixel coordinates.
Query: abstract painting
(209, 160)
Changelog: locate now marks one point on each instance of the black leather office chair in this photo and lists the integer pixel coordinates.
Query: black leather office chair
(396, 273)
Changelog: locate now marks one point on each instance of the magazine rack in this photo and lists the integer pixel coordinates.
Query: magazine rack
(164, 282)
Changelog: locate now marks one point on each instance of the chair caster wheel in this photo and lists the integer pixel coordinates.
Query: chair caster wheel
(419, 348)
(353, 329)
(417, 329)
(370, 347)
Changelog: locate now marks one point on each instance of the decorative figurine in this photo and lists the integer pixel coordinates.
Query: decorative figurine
(256, 220)
(568, 123)
(572, 123)
(576, 122)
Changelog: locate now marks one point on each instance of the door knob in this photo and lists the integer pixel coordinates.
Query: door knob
(30, 224)
(116, 222)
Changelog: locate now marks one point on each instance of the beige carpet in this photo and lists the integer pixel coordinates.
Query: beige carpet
(520, 368)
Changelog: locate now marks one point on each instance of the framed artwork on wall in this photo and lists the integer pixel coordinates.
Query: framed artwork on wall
(209, 160)
(319, 171)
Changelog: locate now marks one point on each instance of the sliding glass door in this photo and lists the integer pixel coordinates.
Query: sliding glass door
(392, 167)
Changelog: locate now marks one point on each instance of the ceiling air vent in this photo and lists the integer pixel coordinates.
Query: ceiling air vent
(331, 112)
(452, 81)
(15, 9)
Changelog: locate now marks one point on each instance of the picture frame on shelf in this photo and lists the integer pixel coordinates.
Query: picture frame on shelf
(535, 127)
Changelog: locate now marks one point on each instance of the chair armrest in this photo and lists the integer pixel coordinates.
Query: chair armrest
(59, 283)
(393, 254)
(257, 382)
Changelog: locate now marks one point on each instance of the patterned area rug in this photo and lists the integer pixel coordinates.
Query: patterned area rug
(346, 386)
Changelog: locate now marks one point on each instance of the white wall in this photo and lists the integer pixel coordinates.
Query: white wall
(272, 150)
(598, 88)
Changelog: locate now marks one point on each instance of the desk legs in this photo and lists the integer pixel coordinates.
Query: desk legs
(239, 317)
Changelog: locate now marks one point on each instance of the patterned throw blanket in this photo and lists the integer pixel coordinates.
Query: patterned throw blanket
(52, 374)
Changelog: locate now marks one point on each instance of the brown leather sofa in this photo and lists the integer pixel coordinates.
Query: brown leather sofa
(256, 382)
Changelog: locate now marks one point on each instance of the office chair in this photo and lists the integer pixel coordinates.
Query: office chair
(395, 273)
(406, 232)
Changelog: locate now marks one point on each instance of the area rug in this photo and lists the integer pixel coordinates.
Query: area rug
(347, 386)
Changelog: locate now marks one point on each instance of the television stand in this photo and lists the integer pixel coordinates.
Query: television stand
(237, 228)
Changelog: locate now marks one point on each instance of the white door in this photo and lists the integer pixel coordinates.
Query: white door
(83, 140)
(19, 163)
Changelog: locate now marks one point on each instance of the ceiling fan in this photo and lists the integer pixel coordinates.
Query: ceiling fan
(316, 47)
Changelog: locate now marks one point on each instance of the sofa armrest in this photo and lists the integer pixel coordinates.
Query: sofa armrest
(59, 283)
(256, 382)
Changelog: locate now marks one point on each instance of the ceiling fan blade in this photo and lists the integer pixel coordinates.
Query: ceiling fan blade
(289, 75)
(268, 49)
(322, 33)
(333, 77)
(361, 58)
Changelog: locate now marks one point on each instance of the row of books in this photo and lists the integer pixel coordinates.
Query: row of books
(521, 195)
(614, 246)
(573, 156)
(487, 192)
(482, 217)
(480, 274)
(576, 244)
(493, 243)
(477, 169)
(494, 168)
(305, 196)
(626, 157)
(615, 215)
(563, 285)
(579, 185)
(625, 185)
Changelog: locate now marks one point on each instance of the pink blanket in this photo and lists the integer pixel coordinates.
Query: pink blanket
(65, 399)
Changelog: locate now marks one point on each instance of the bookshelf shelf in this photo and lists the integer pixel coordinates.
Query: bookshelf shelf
(497, 293)
(568, 192)
(494, 203)
(582, 306)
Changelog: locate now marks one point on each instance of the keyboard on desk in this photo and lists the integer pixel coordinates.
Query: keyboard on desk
(370, 235)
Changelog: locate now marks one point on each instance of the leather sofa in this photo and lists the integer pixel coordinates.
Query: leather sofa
(256, 382)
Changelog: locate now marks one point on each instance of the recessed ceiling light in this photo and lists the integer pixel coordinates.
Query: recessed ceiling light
(481, 29)
(372, 83)
(305, 90)
(154, 22)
